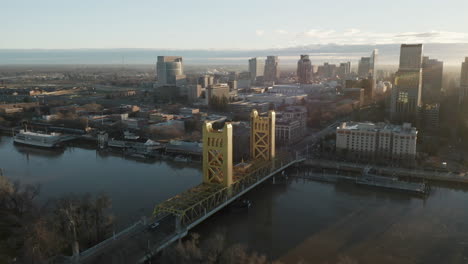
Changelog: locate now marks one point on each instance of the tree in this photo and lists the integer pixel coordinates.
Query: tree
(213, 250)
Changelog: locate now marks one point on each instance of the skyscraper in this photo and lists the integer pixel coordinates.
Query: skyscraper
(304, 70)
(344, 70)
(406, 95)
(169, 69)
(431, 80)
(366, 66)
(464, 80)
(272, 72)
(256, 68)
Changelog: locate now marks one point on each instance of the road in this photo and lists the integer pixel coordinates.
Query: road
(132, 246)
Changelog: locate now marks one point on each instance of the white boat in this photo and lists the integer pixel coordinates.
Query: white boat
(181, 158)
(37, 139)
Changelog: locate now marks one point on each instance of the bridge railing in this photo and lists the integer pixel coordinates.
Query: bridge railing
(90, 251)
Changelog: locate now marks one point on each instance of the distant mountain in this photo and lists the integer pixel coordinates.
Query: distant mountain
(333, 53)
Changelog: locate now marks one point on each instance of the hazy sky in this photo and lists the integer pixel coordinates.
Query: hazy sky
(241, 24)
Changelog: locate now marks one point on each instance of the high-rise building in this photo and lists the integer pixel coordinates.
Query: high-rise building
(256, 68)
(272, 72)
(304, 70)
(406, 95)
(344, 70)
(327, 70)
(366, 66)
(464, 80)
(432, 80)
(169, 69)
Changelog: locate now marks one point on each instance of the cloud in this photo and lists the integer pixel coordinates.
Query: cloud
(351, 32)
(355, 36)
(281, 31)
(419, 35)
(259, 32)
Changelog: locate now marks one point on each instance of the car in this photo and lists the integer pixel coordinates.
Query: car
(153, 225)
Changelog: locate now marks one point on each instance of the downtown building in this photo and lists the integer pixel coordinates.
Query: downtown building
(377, 141)
(169, 70)
(463, 94)
(344, 70)
(431, 80)
(256, 68)
(327, 71)
(366, 65)
(406, 94)
(272, 71)
(304, 70)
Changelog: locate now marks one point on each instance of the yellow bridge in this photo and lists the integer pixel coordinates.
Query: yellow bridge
(222, 183)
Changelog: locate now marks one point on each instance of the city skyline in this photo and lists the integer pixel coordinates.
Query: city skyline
(53, 24)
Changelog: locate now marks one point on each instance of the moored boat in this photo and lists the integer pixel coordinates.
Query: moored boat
(38, 139)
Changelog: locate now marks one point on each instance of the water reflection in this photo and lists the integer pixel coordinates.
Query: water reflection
(51, 153)
(323, 223)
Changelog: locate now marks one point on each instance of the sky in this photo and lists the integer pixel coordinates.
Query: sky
(241, 24)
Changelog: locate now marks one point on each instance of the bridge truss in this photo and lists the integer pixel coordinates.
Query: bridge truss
(199, 201)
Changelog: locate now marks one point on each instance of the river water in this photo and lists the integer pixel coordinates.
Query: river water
(133, 185)
(290, 219)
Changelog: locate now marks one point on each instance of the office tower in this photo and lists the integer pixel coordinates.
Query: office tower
(232, 85)
(304, 70)
(373, 63)
(464, 80)
(431, 80)
(406, 95)
(344, 70)
(169, 70)
(233, 76)
(366, 66)
(206, 80)
(327, 70)
(256, 68)
(272, 72)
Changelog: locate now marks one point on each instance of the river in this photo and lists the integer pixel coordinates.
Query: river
(290, 219)
(133, 185)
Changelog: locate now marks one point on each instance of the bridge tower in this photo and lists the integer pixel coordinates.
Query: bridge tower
(262, 136)
(217, 154)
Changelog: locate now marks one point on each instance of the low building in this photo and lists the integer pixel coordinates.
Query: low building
(191, 91)
(160, 117)
(288, 131)
(354, 94)
(184, 147)
(11, 110)
(188, 111)
(296, 112)
(242, 109)
(376, 141)
(275, 98)
(134, 123)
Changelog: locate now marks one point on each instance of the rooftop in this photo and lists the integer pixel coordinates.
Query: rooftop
(375, 127)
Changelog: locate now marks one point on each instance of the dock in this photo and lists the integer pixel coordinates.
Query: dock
(392, 184)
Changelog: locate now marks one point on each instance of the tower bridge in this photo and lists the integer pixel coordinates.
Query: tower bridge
(222, 183)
